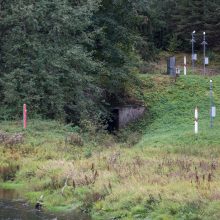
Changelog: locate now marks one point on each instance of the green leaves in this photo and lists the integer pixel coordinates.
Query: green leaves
(46, 62)
(69, 59)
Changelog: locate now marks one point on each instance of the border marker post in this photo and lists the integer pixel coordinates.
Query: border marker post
(184, 65)
(24, 116)
(196, 120)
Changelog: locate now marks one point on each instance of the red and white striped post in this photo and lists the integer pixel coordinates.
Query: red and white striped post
(24, 116)
(185, 65)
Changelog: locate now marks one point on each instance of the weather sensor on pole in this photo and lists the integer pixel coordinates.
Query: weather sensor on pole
(194, 56)
(205, 59)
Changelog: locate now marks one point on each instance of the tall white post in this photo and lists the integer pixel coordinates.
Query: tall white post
(196, 120)
(185, 65)
(211, 104)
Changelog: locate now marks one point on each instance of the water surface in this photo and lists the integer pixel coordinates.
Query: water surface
(12, 207)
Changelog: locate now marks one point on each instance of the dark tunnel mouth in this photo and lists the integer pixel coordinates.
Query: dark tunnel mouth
(113, 122)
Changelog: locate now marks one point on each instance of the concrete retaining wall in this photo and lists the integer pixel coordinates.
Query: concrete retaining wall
(127, 114)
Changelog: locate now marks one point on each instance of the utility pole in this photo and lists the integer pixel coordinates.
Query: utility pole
(193, 53)
(204, 43)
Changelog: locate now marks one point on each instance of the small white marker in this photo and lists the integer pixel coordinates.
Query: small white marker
(196, 120)
(184, 65)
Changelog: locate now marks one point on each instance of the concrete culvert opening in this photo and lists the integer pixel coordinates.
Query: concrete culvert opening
(123, 115)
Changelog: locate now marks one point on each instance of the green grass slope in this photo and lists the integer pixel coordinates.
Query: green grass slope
(172, 106)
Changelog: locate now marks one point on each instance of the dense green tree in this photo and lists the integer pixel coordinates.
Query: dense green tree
(160, 22)
(115, 46)
(68, 58)
(212, 23)
(44, 58)
(199, 15)
(172, 22)
(189, 16)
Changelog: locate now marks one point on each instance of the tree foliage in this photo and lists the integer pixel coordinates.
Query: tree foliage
(45, 61)
(74, 59)
(179, 18)
(66, 59)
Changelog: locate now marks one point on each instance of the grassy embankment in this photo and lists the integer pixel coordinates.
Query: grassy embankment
(169, 174)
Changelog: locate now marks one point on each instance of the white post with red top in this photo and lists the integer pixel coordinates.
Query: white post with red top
(24, 116)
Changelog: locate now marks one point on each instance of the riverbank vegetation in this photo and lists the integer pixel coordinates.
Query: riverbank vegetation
(163, 172)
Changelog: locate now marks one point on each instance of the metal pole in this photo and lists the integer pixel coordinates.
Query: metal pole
(193, 41)
(204, 43)
(211, 104)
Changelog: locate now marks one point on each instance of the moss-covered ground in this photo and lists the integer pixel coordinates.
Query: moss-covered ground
(155, 169)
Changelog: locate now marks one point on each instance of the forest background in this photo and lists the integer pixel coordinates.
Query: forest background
(72, 60)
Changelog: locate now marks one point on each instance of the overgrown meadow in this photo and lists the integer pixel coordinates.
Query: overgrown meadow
(156, 168)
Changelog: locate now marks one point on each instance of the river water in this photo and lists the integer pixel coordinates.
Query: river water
(12, 207)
